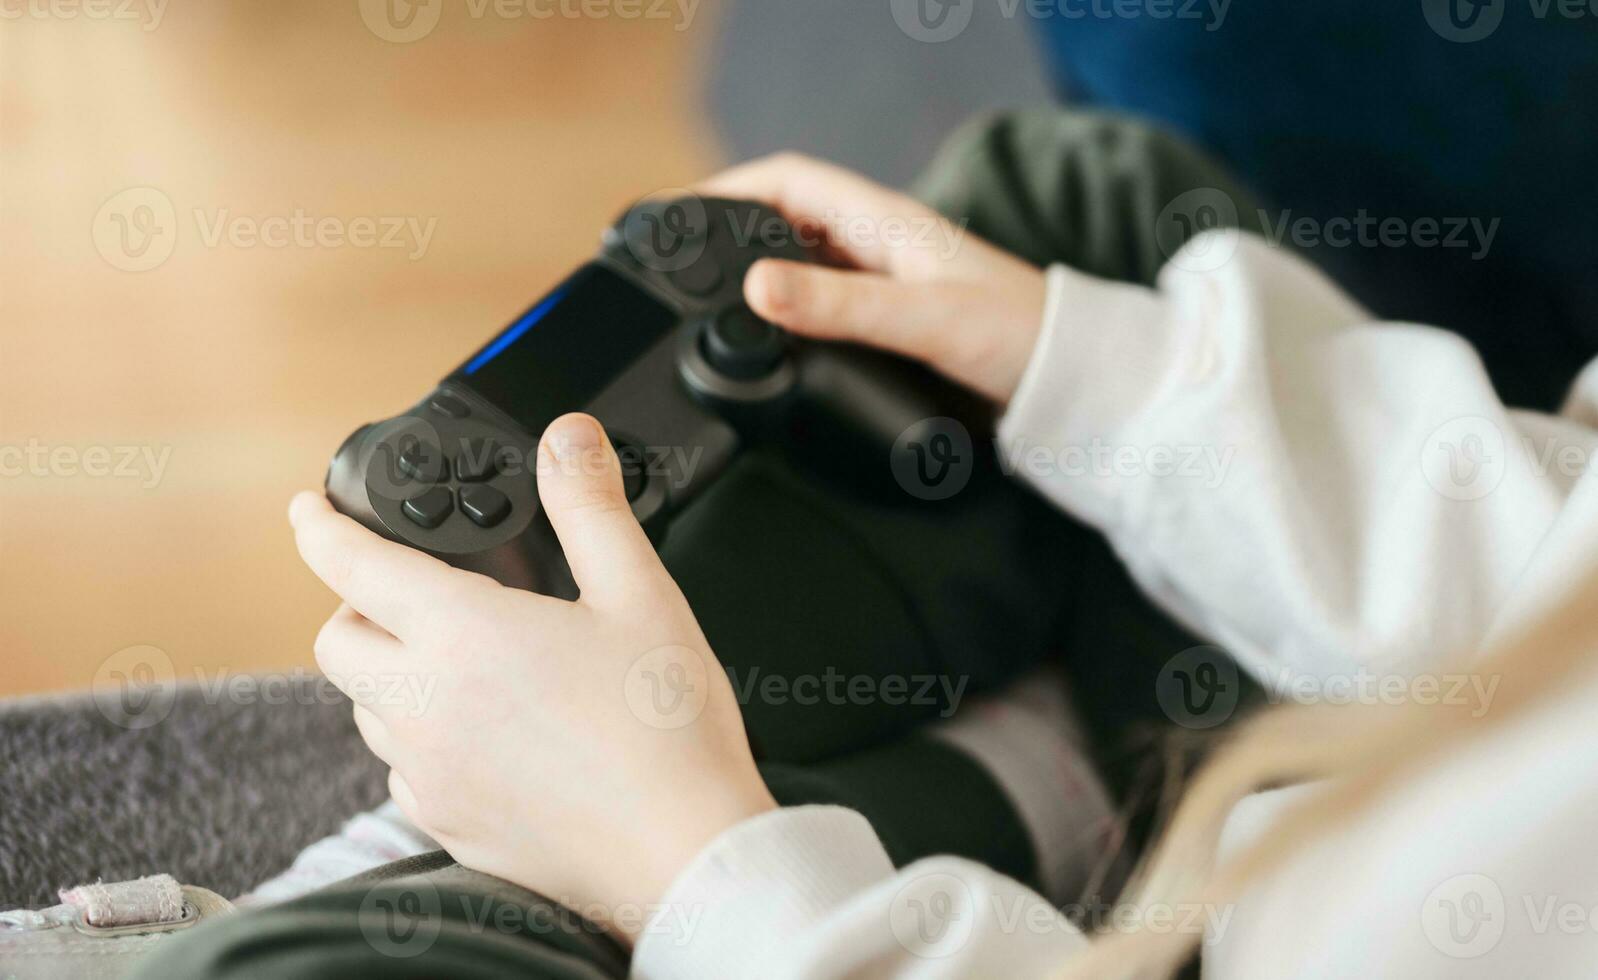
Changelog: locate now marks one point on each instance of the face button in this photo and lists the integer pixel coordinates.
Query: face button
(700, 279)
(484, 505)
(431, 508)
(450, 405)
(422, 462)
(741, 345)
(478, 461)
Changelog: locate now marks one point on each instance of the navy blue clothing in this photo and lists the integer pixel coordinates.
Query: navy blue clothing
(1361, 106)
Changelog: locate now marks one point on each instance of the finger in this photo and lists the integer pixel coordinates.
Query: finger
(387, 582)
(350, 646)
(813, 194)
(579, 483)
(940, 323)
(375, 733)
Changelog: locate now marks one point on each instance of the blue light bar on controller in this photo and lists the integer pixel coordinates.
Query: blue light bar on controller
(514, 332)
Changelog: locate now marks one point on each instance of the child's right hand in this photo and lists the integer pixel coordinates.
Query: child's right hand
(918, 284)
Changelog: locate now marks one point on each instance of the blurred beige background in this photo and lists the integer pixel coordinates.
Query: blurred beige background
(154, 423)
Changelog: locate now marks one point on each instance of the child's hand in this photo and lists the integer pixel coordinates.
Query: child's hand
(919, 284)
(585, 749)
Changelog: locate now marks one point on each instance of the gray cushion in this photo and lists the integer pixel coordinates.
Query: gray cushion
(222, 792)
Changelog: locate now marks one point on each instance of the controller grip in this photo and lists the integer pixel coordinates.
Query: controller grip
(856, 405)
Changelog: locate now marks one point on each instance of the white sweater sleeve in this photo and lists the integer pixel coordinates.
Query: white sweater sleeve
(1316, 491)
(808, 892)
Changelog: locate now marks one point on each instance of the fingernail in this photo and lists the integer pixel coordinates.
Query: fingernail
(570, 436)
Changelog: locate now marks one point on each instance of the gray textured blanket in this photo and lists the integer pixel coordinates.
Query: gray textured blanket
(222, 793)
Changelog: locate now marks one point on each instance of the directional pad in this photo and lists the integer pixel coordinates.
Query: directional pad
(430, 509)
(422, 462)
(478, 461)
(484, 505)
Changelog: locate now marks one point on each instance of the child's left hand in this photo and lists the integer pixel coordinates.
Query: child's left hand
(584, 749)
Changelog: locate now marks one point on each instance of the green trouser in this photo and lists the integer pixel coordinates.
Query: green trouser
(966, 596)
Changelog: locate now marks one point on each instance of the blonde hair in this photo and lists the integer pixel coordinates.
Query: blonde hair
(1365, 750)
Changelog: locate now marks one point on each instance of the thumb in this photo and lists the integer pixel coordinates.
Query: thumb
(927, 321)
(580, 485)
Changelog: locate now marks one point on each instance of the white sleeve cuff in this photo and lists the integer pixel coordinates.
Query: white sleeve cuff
(1103, 353)
(762, 881)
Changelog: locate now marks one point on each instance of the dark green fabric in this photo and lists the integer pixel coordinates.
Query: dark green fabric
(1090, 190)
(923, 797)
(790, 579)
(1079, 188)
(794, 583)
(425, 918)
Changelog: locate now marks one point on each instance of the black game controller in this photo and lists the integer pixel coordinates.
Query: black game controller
(653, 338)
